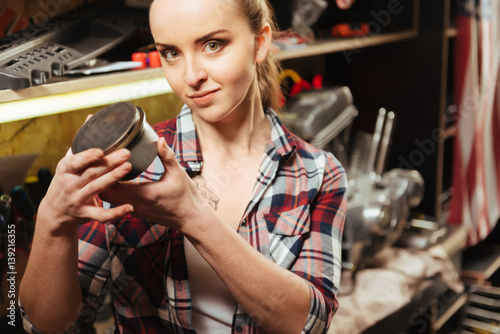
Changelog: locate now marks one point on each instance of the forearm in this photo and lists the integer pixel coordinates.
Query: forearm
(275, 298)
(50, 292)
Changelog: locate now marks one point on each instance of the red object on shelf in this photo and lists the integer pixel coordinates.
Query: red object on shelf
(154, 59)
(140, 57)
(317, 81)
(350, 30)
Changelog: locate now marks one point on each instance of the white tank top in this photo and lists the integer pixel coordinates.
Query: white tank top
(213, 304)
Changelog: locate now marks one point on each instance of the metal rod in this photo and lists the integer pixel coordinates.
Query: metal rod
(384, 144)
(376, 140)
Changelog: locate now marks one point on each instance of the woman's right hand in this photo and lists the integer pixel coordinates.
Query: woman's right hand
(70, 199)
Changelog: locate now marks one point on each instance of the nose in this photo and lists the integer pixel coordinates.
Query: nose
(194, 73)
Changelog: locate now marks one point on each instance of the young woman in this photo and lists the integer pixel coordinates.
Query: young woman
(240, 230)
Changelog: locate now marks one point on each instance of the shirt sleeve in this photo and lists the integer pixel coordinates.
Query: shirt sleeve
(319, 262)
(93, 275)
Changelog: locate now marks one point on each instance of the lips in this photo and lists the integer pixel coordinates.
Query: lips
(203, 98)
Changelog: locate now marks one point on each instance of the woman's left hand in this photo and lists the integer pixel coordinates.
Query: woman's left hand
(167, 202)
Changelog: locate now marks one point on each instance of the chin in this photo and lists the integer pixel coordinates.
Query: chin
(213, 113)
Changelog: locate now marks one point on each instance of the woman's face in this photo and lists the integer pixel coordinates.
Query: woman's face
(209, 55)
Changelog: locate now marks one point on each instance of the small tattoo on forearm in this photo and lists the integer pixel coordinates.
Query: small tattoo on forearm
(205, 192)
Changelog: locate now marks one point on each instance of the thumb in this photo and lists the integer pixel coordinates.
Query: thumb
(167, 155)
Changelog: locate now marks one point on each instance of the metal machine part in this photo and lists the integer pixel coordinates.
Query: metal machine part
(315, 111)
(30, 61)
(377, 134)
(369, 152)
(421, 234)
(323, 118)
(378, 211)
(120, 125)
(379, 201)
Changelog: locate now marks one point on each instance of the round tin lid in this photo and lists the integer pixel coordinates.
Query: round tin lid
(111, 127)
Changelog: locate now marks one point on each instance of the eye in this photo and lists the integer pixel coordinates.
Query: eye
(171, 55)
(213, 46)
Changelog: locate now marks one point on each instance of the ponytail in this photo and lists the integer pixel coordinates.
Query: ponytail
(269, 86)
(258, 13)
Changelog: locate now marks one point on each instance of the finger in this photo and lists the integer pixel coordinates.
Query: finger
(77, 162)
(124, 192)
(89, 182)
(98, 183)
(69, 153)
(104, 215)
(105, 165)
(167, 156)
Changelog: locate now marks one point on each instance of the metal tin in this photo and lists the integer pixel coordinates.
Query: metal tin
(120, 125)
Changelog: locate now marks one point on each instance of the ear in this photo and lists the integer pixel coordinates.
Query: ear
(264, 40)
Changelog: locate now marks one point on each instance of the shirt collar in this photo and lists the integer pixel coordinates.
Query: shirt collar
(188, 149)
(282, 140)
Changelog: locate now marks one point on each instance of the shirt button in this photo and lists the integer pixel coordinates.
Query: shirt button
(244, 222)
(239, 328)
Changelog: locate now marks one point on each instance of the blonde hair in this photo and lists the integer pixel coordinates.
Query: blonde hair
(258, 13)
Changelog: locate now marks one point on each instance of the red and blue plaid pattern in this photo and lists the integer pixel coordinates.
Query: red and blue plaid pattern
(295, 218)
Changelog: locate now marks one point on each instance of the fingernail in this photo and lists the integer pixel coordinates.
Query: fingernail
(124, 153)
(99, 153)
(164, 142)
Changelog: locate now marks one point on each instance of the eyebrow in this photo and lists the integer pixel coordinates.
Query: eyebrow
(198, 40)
(209, 35)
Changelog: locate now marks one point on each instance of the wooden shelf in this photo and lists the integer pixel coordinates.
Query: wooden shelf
(81, 93)
(321, 47)
(481, 262)
(71, 84)
(450, 312)
(98, 90)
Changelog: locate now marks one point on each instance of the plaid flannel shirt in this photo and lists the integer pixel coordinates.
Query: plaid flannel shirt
(295, 218)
